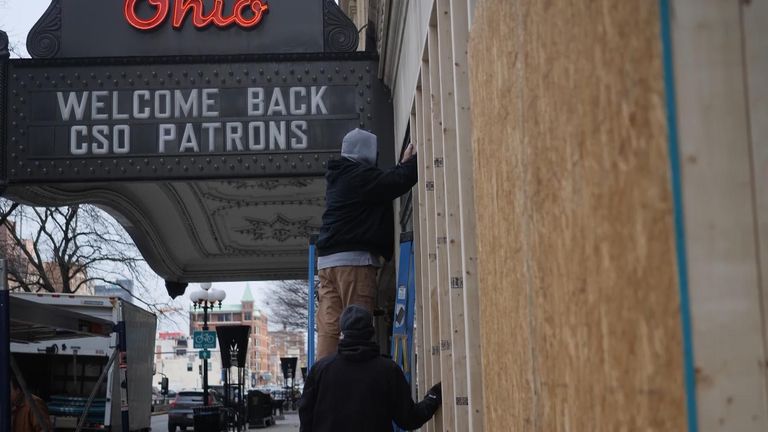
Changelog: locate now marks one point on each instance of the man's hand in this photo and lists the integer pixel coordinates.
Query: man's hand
(408, 153)
(436, 393)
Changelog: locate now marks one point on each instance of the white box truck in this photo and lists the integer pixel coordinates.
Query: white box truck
(65, 371)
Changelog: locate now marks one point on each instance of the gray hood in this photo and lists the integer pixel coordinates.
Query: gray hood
(360, 146)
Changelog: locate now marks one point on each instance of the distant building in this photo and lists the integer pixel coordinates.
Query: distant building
(122, 288)
(244, 314)
(170, 344)
(286, 343)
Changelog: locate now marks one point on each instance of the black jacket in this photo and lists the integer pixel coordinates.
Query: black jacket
(358, 206)
(357, 390)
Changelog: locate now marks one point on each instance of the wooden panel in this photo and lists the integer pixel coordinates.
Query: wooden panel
(728, 326)
(418, 341)
(755, 15)
(420, 235)
(454, 281)
(440, 239)
(578, 287)
(465, 189)
(425, 159)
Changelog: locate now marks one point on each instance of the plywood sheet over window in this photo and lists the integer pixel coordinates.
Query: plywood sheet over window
(579, 299)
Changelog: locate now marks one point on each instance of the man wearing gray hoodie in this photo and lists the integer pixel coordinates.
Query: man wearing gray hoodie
(358, 229)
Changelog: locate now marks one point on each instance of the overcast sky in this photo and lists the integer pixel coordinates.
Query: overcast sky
(18, 16)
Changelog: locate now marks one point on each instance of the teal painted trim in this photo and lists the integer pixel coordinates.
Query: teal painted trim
(677, 196)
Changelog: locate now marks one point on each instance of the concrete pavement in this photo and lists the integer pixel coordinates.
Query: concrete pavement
(289, 424)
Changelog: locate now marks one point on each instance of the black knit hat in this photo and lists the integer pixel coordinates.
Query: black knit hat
(357, 323)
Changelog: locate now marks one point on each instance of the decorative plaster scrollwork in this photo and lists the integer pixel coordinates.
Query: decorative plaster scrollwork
(270, 184)
(280, 228)
(44, 40)
(230, 204)
(340, 32)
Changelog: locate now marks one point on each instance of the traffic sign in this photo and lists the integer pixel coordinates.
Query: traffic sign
(204, 354)
(204, 339)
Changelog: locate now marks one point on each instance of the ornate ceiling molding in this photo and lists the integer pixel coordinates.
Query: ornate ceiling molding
(280, 228)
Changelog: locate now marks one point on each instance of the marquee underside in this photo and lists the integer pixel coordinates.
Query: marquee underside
(240, 229)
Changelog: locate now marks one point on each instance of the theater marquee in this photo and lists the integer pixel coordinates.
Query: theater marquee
(204, 126)
(257, 111)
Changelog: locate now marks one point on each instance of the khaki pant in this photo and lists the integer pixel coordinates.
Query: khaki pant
(339, 288)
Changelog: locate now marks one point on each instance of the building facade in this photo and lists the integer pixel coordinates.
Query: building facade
(247, 314)
(287, 343)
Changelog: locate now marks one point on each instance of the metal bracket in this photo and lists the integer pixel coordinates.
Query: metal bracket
(438, 162)
(457, 283)
(430, 186)
(462, 401)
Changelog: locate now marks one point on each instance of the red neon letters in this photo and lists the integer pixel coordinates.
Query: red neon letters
(181, 8)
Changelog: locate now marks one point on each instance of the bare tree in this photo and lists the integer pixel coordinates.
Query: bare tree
(69, 249)
(288, 305)
(14, 47)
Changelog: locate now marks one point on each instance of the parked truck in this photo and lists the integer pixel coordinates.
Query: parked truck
(64, 372)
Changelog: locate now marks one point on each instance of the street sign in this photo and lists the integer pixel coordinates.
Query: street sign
(204, 354)
(204, 339)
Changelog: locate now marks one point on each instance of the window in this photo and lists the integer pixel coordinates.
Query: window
(247, 316)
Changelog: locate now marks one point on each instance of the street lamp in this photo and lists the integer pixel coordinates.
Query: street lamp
(206, 299)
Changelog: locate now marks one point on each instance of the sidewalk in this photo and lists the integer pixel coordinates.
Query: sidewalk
(291, 423)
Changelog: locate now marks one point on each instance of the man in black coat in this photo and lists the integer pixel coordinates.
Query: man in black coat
(357, 390)
(358, 229)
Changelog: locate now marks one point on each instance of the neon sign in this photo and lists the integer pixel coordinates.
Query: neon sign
(245, 13)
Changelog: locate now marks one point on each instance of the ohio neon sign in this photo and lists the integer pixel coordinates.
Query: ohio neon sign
(245, 13)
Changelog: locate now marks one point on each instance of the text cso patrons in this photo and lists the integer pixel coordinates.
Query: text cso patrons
(191, 120)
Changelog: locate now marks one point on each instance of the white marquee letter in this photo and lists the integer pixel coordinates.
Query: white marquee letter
(256, 101)
(66, 108)
(167, 133)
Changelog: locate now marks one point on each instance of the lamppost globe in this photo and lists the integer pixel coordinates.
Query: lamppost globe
(206, 285)
(195, 296)
(217, 295)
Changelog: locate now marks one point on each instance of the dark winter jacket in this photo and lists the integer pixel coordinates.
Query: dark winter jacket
(357, 390)
(358, 206)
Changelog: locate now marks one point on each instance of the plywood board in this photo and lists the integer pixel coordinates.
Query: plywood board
(578, 287)
(454, 280)
(444, 309)
(418, 342)
(465, 192)
(425, 157)
(754, 16)
(718, 192)
(425, 320)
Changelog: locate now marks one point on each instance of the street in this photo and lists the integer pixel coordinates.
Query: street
(290, 423)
